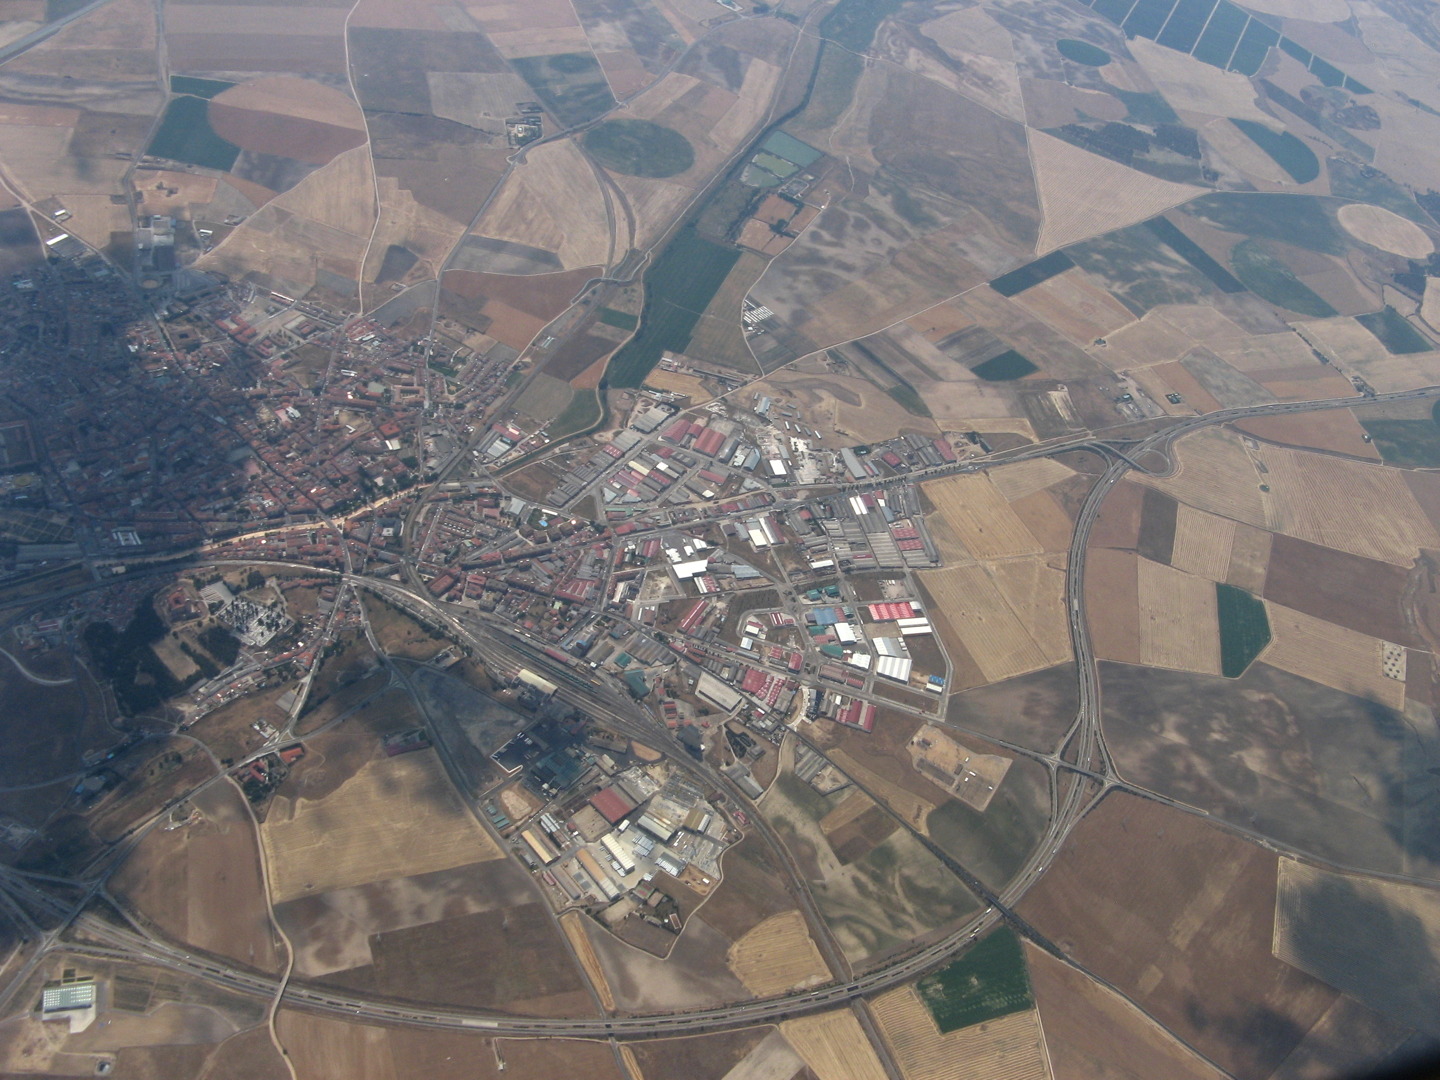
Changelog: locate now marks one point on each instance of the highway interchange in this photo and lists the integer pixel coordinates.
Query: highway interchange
(1080, 766)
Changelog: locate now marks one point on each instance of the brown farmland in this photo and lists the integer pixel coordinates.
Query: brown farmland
(1178, 916)
(1350, 591)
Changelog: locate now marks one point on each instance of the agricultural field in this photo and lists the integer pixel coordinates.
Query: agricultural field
(920, 894)
(1177, 915)
(989, 981)
(201, 883)
(834, 1046)
(1012, 1046)
(778, 955)
(314, 846)
(1311, 766)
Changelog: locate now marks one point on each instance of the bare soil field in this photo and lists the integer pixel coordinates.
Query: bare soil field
(1353, 349)
(333, 931)
(201, 883)
(47, 729)
(1084, 195)
(778, 955)
(1010, 1048)
(1178, 916)
(1347, 590)
(1178, 621)
(1118, 524)
(1074, 305)
(517, 962)
(1092, 1033)
(1033, 709)
(834, 1046)
(1049, 521)
(396, 817)
(1331, 655)
(752, 889)
(321, 1046)
(1336, 430)
(1385, 960)
(695, 973)
(1024, 478)
(571, 924)
(1307, 765)
(1113, 601)
(701, 1057)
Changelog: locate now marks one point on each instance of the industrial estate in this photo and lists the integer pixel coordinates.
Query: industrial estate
(717, 540)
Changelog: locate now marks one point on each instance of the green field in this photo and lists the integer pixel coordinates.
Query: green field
(186, 135)
(639, 148)
(678, 288)
(621, 320)
(1303, 220)
(1006, 367)
(1269, 278)
(1082, 52)
(1394, 332)
(988, 982)
(570, 85)
(203, 88)
(583, 410)
(1412, 443)
(909, 399)
(1292, 155)
(1032, 273)
(1194, 254)
(1244, 629)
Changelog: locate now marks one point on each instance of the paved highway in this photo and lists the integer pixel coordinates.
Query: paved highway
(1072, 794)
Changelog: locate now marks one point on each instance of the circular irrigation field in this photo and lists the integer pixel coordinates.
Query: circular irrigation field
(639, 148)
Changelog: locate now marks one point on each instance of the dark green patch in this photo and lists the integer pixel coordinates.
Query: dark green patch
(1194, 254)
(186, 135)
(1082, 52)
(1292, 155)
(909, 399)
(1394, 332)
(623, 320)
(1244, 628)
(1006, 367)
(1148, 109)
(851, 24)
(678, 287)
(988, 982)
(1032, 273)
(1270, 279)
(639, 148)
(1302, 220)
(570, 85)
(1413, 443)
(203, 88)
(581, 413)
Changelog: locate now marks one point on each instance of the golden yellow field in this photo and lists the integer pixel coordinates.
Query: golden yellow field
(1352, 506)
(572, 923)
(970, 605)
(396, 817)
(1203, 543)
(977, 511)
(777, 955)
(834, 1046)
(1027, 477)
(1386, 230)
(1083, 194)
(1216, 474)
(552, 202)
(1331, 655)
(1354, 350)
(1010, 1048)
(1178, 622)
(1034, 589)
(1249, 558)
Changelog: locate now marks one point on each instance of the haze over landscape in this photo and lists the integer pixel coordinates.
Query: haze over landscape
(716, 540)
